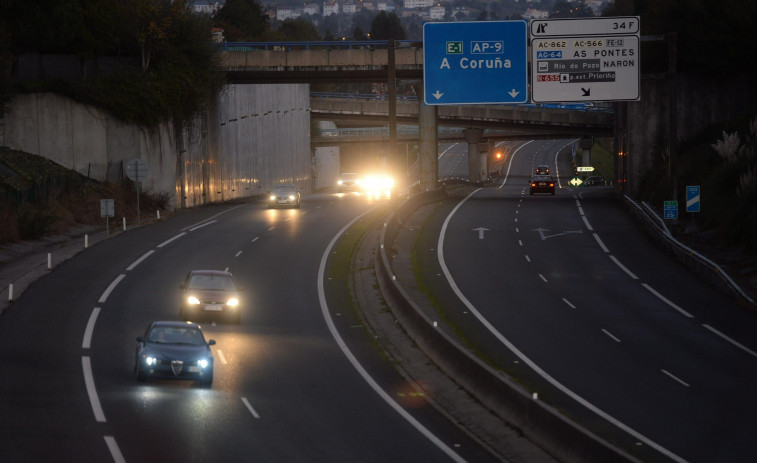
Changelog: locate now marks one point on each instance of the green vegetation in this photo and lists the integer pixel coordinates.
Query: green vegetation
(39, 197)
(166, 65)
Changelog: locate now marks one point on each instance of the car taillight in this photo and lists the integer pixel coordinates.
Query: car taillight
(551, 183)
(533, 183)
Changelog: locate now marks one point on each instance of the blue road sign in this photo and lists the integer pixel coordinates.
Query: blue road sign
(670, 210)
(692, 199)
(482, 62)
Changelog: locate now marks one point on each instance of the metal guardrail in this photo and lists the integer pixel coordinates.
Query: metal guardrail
(698, 263)
(317, 45)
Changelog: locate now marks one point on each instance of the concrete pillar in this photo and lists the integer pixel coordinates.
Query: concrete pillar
(474, 137)
(585, 146)
(428, 147)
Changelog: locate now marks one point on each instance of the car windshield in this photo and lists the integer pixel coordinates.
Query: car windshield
(176, 335)
(349, 176)
(283, 189)
(211, 281)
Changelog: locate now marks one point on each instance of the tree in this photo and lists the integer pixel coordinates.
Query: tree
(565, 9)
(242, 20)
(297, 30)
(387, 26)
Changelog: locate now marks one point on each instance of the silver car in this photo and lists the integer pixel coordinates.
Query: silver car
(284, 195)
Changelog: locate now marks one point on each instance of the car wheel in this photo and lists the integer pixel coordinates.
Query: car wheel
(141, 376)
(207, 380)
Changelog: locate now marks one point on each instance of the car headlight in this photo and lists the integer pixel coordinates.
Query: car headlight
(339, 182)
(291, 197)
(150, 361)
(232, 302)
(193, 300)
(203, 363)
(272, 198)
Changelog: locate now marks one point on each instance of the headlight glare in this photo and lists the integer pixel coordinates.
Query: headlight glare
(193, 300)
(149, 361)
(202, 363)
(232, 302)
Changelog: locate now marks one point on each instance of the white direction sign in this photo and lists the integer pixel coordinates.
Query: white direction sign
(586, 59)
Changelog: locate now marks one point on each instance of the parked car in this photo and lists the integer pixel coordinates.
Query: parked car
(542, 184)
(284, 195)
(348, 181)
(542, 169)
(175, 350)
(210, 293)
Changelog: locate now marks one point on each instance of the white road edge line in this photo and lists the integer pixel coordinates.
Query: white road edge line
(623, 267)
(203, 225)
(171, 239)
(601, 244)
(731, 340)
(194, 226)
(586, 222)
(110, 288)
(87, 341)
(528, 361)
(89, 381)
(666, 300)
(115, 452)
(610, 335)
(139, 261)
(367, 377)
(249, 407)
(675, 378)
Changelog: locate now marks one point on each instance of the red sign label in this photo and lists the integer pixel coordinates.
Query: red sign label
(548, 78)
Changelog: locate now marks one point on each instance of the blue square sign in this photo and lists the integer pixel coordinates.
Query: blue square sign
(483, 62)
(692, 199)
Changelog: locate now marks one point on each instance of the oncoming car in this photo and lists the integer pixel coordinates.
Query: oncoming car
(378, 185)
(174, 350)
(542, 184)
(348, 181)
(284, 195)
(210, 292)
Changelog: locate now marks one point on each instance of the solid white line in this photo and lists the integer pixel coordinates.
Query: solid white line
(110, 288)
(665, 300)
(139, 261)
(169, 240)
(623, 267)
(569, 304)
(601, 244)
(90, 328)
(89, 381)
(732, 341)
(510, 164)
(203, 225)
(528, 361)
(238, 254)
(586, 221)
(193, 226)
(581, 210)
(367, 377)
(221, 357)
(578, 203)
(610, 335)
(110, 441)
(675, 378)
(542, 277)
(249, 407)
(557, 169)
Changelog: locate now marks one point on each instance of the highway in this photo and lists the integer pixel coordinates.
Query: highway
(567, 295)
(564, 293)
(286, 387)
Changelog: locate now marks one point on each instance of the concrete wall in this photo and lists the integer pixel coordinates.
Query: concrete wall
(254, 137)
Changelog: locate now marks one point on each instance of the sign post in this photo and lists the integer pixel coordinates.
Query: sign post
(107, 210)
(483, 62)
(585, 59)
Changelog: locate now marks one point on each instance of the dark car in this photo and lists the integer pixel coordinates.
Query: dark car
(542, 184)
(348, 181)
(174, 350)
(542, 170)
(210, 293)
(284, 195)
(594, 180)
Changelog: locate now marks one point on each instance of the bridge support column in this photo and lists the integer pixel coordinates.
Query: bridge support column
(585, 146)
(474, 137)
(428, 154)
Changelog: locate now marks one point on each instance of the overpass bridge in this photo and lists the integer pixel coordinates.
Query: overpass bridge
(390, 62)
